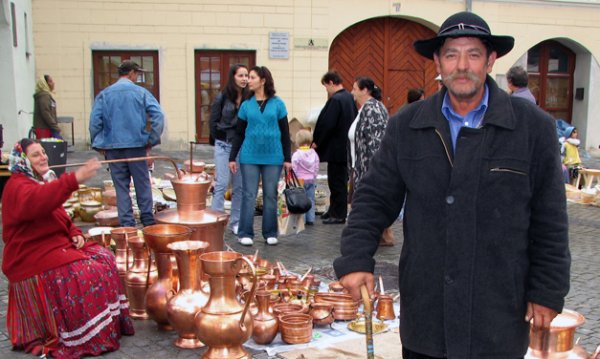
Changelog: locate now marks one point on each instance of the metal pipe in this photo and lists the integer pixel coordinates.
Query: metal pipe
(133, 159)
(469, 5)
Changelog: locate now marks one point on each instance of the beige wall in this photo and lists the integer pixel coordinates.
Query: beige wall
(66, 31)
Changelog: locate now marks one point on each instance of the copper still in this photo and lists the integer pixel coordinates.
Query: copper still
(139, 277)
(123, 257)
(182, 308)
(207, 224)
(157, 238)
(224, 324)
(265, 323)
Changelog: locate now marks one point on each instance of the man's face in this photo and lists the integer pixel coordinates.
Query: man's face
(464, 64)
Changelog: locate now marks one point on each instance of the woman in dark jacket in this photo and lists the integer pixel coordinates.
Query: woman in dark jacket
(223, 120)
(44, 109)
(365, 134)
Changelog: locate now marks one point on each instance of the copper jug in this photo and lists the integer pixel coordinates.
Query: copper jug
(265, 323)
(139, 277)
(123, 257)
(223, 324)
(157, 238)
(191, 297)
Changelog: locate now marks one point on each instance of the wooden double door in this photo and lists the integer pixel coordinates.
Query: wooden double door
(382, 49)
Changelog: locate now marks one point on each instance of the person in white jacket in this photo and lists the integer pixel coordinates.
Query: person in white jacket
(305, 163)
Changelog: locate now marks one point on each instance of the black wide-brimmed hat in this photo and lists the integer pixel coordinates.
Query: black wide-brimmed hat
(464, 24)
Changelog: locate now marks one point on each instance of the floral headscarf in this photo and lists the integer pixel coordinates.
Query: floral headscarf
(19, 163)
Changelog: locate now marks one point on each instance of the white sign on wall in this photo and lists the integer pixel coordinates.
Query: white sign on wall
(279, 45)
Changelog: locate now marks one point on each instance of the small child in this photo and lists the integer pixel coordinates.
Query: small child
(570, 149)
(305, 163)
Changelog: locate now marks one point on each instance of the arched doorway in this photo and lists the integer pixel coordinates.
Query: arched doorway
(382, 49)
(551, 66)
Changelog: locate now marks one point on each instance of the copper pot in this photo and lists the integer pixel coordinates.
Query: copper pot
(265, 322)
(108, 218)
(88, 209)
(322, 313)
(296, 328)
(284, 308)
(344, 307)
(559, 338)
(197, 166)
(223, 324)
(101, 235)
(385, 307)
(336, 287)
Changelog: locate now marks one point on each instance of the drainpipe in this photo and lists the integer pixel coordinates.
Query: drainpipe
(468, 5)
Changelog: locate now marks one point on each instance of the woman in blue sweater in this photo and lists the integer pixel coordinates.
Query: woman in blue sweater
(263, 141)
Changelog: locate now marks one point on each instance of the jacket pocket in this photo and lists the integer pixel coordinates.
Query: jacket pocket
(509, 170)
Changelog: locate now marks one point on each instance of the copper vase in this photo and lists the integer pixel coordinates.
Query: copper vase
(123, 257)
(139, 277)
(224, 324)
(157, 238)
(182, 308)
(265, 323)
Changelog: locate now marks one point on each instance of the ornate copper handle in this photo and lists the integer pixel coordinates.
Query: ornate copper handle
(252, 291)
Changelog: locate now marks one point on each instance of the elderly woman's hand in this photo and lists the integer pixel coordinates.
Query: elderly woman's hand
(78, 241)
(87, 171)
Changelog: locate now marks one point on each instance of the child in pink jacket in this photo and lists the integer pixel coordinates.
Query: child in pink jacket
(305, 163)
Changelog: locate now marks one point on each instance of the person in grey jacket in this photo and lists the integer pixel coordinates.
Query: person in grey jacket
(485, 249)
(119, 128)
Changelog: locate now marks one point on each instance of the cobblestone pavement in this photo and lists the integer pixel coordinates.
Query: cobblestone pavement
(318, 245)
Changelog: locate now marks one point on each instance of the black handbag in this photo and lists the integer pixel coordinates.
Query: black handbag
(296, 200)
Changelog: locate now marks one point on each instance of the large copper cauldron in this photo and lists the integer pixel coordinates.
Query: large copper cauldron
(224, 324)
(207, 224)
(157, 238)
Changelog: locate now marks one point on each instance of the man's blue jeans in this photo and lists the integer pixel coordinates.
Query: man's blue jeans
(121, 174)
(224, 175)
(251, 175)
(310, 187)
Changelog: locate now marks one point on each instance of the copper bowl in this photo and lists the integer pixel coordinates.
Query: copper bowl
(280, 309)
(197, 166)
(560, 336)
(344, 307)
(322, 313)
(158, 236)
(296, 328)
(107, 218)
(337, 287)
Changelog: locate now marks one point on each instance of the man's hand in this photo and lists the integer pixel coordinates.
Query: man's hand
(353, 281)
(287, 166)
(540, 316)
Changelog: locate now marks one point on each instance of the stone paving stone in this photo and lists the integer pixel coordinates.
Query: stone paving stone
(318, 245)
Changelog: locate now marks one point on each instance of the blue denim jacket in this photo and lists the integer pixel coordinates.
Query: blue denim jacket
(119, 116)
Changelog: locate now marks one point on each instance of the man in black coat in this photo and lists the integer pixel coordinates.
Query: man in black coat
(485, 249)
(330, 140)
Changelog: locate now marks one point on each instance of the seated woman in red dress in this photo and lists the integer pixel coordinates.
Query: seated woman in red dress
(65, 297)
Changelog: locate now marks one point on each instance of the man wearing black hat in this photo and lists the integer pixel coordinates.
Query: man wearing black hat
(126, 121)
(485, 226)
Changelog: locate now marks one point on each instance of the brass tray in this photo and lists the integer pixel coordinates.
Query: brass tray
(359, 326)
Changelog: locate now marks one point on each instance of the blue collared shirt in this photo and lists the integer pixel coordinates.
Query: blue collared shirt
(472, 119)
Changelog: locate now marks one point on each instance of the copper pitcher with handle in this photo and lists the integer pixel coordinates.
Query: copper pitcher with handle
(224, 324)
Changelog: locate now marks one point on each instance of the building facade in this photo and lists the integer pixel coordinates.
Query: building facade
(188, 45)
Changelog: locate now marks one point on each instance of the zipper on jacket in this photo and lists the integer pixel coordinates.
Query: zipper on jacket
(509, 170)
(445, 147)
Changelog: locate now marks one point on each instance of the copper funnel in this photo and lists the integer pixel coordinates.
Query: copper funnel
(158, 236)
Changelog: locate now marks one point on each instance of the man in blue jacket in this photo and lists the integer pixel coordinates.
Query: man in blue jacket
(485, 249)
(119, 128)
